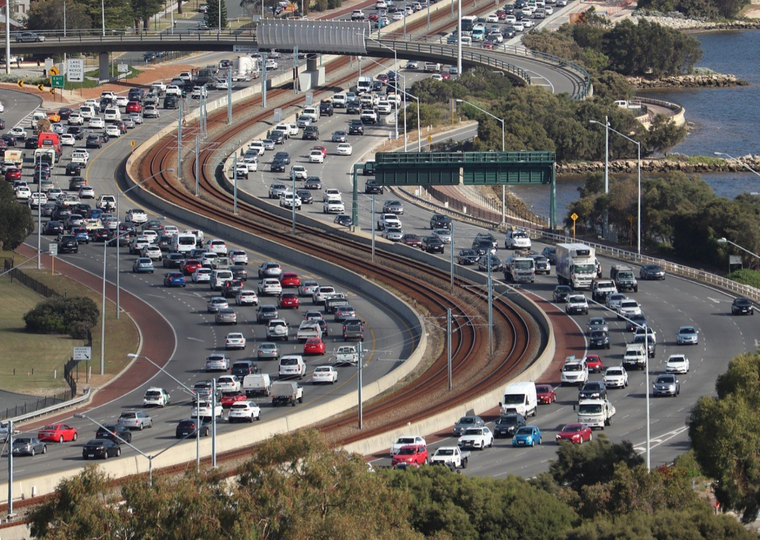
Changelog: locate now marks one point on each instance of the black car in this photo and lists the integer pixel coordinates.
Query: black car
(635, 321)
(64, 113)
(542, 264)
(440, 221)
(101, 449)
(266, 312)
(312, 182)
(136, 94)
(599, 339)
(353, 107)
(52, 228)
(561, 292)
(467, 257)
(277, 166)
(282, 156)
(74, 169)
(94, 141)
(114, 432)
(481, 247)
(356, 127)
(550, 253)
(495, 262)
(173, 260)
(507, 425)
(305, 196)
(742, 306)
(372, 187)
(326, 108)
(239, 272)
(30, 143)
(76, 131)
(278, 137)
(47, 209)
(171, 102)
(10, 139)
(76, 183)
(68, 244)
(310, 132)
(186, 428)
(593, 390)
(2, 123)
(652, 271)
(343, 220)
(432, 244)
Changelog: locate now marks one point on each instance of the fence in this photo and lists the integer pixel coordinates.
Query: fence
(35, 404)
(28, 281)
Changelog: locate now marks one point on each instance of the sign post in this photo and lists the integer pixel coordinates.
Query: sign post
(574, 217)
(52, 251)
(56, 81)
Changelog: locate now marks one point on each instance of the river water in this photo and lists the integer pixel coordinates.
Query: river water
(724, 119)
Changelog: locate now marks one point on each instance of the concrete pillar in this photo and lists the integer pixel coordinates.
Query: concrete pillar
(311, 62)
(103, 73)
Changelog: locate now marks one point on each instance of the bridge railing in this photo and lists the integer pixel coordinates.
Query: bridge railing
(131, 35)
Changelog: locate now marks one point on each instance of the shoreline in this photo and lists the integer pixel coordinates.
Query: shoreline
(672, 163)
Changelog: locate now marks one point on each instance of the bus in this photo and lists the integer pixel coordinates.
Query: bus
(468, 23)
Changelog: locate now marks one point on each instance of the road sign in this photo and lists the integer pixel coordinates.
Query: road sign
(75, 69)
(309, 99)
(573, 216)
(52, 90)
(20, 83)
(277, 116)
(123, 68)
(54, 71)
(49, 64)
(41, 87)
(53, 248)
(82, 353)
(56, 81)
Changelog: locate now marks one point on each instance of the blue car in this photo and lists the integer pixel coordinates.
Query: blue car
(527, 436)
(82, 235)
(175, 279)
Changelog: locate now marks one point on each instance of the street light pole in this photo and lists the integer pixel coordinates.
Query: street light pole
(103, 16)
(727, 241)
(750, 169)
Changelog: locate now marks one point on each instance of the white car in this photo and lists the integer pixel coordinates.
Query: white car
(331, 193)
(234, 340)
(394, 234)
(202, 275)
(136, 216)
(121, 101)
(614, 299)
(203, 410)
(173, 89)
(406, 440)
(240, 170)
(298, 172)
(23, 193)
(247, 297)
(270, 287)
(476, 437)
(345, 149)
(333, 206)
(443, 234)
(574, 371)
(252, 164)
(677, 363)
(18, 132)
(493, 18)
(113, 131)
(238, 256)
(616, 377)
(229, 384)
(75, 119)
(37, 199)
(150, 111)
(628, 308)
(96, 122)
(687, 335)
(217, 246)
(86, 192)
(244, 411)
(151, 251)
(324, 374)
(316, 156)
(156, 397)
(68, 140)
(290, 199)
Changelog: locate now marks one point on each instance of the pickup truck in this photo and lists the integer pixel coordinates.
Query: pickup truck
(286, 393)
(346, 355)
(388, 220)
(624, 278)
(451, 456)
(595, 413)
(602, 289)
(159, 87)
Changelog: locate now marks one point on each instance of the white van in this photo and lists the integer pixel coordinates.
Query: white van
(87, 111)
(292, 365)
(257, 384)
(112, 114)
(339, 101)
(520, 397)
(182, 242)
(466, 41)
(78, 156)
(218, 277)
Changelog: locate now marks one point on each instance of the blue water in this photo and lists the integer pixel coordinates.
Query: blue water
(723, 119)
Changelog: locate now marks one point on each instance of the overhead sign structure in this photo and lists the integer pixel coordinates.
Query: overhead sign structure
(75, 69)
(82, 353)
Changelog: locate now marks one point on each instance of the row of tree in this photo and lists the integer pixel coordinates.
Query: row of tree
(712, 9)
(16, 221)
(296, 487)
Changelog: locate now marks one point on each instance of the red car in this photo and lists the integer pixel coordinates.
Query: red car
(412, 240)
(13, 174)
(228, 399)
(373, 17)
(445, 75)
(413, 454)
(575, 433)
(594, 363)
(488, 45)
(58, 433)
(134, 106)
(289, 300)
(314, 346)
(290, 279)
(321, 149)
(383, 78)
(546, 394)
(190, 266)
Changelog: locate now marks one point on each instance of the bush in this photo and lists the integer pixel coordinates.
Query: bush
(74, 316)
(746, 276)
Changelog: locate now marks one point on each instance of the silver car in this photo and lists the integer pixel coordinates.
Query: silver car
(135, 420)
(393, 207)
(226, 316)
(217, 362)
(216, 303)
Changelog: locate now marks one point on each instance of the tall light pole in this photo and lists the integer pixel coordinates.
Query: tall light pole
(727, 241)
(503, 149)
(218, 18)
(638, 167)
(750, 169)
(103, 16)
(118, 217)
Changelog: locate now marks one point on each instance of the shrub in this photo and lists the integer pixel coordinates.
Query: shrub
(74, 316)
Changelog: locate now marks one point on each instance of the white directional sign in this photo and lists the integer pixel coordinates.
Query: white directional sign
(82, 353)
(277, 116)
(53, 248)
(75, 70)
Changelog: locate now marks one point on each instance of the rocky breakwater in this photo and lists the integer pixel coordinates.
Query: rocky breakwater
(663, 165)
(681, 22)
(708, 80)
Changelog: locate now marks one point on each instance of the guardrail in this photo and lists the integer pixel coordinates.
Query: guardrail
(53, 408)
(131, 36)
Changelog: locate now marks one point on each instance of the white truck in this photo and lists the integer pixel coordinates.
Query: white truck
(576, 265)
(520, 269)
(346, 355)
(286, 393)
(602, 289)
(451, 456)
(182, 243)
(246, 68)
(595, 413)
(257, 384)
(635, 357)
(520, 398)
(363, 85)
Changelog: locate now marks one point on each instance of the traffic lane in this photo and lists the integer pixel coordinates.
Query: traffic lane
(18, 105)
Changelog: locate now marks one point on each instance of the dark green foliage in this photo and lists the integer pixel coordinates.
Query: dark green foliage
(15, 219)
(213, 16)
(712, 9)
(48, 15)
(74, 316)
(746, 276)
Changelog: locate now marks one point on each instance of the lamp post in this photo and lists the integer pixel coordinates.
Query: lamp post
(395, 69)
(197, 407)
(218, 18)
(606, 166)
(638, 168)
(103, 16)
(727, 241)
(503, 149)
(118, 216)
(750, 169)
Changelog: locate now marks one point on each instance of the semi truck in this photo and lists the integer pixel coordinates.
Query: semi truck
(520, 269)
(595, 413)
(576, 265)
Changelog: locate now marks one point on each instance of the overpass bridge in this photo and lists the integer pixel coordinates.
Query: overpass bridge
(522, 65)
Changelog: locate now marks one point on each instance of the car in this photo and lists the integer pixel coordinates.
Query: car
(666, 385)
(234, 340)
(324, 374)
(68, 140)
(270, 287)
(86, 192)
(506, 425)
(742, 306)
(246, 411)
(59, 433)
(189, 428)
(267, 312)
(576, 303)
(687, 335)
(467, 422)
(594, 363)
(344, 149)
(677, 363)
(156, 397)
(114, 432)
(316, 156)
(247, 297)
(226, 316)
(135, 420)
(546, 394)
(113, 130)
(202, 275)
(432, 244)
(232, 287)
(308, 287)
(143, 265)
(228, 384)
(96, 122)
(339, 137)
(479, 438)
(406, 440)
(613, 300)
(575, 433)
(561, 293)
(616, 377)
(136, 216)
(268, 351)
(101, 449)
(289, 300)
(216, 303)
(628, 308)
(527, 436)
(597, 324)
(652, 271)
(174, 279)
(149, 111)
(217, 362)
(599, 339)
(314, 346)
(269, 269)
(593, 390)
(574, 371)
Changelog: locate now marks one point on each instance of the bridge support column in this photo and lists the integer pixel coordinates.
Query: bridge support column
(103, 64)
(312, 62)
(313, 76)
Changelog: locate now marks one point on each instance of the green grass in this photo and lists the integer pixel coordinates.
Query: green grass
(695, 160)
(121, 337)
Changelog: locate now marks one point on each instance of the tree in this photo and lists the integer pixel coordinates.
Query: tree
(213, 16)
(48, 15)
(15, 219)
(143, 10)
(75, 315)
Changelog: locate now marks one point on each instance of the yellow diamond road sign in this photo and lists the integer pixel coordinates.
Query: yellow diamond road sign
(54, 71)
(574, 216)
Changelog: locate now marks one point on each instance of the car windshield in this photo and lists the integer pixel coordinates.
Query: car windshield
(664, 379)
(467, 420)
(507, 420)
(524, 431)
(445, 452)
(614, 372)
(408, 451)
(589, 408)
(474, 431)
(514, 399)
(289, 361)
(572, 367)
(567, 429)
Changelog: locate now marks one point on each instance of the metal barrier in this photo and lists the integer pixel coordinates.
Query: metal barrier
(51, 408)
(24, 410)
